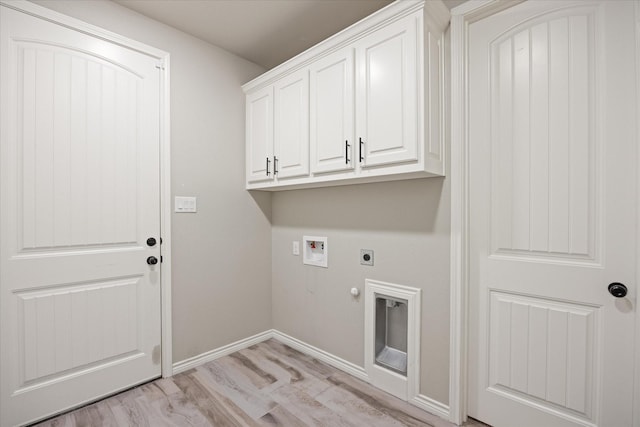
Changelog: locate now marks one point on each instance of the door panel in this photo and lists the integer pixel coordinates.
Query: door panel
(551, 133)
(545, 178)
(292, 125)
(387, 102)
(78, 149)
(59, 327)
(332, 113)
(79, 196)
(553, 362)
(260, 135)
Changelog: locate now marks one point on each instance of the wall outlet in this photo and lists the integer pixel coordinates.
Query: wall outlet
(295, 247)
(366, 256)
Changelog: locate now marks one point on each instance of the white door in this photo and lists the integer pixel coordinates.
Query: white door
(291, 126)
(79, 196)
(553, 174)
(332, 112)
(387, 94)
(260, 135)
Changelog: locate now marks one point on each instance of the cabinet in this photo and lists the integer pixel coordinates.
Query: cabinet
(291, 126)
(277, 130)
(332, 113)
(387, 95)
(365, 105)
(259, 134)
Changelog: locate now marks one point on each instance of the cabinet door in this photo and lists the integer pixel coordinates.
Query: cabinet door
(387, 94)
(291, 155)
(332, 111)
(260, 135)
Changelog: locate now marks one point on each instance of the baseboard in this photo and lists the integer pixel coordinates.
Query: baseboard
(328, 358)
(430, 405)
(217, 353)
(301, 346)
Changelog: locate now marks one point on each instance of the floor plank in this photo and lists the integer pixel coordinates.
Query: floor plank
(267, 384)
(358, 411)
(279, 416)
(216, 411)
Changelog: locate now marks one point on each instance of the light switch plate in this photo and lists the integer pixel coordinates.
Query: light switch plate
(185, 204)
(295, 247)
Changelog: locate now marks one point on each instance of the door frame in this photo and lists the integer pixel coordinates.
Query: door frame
(636, 383)
(165, 152)
(461, 17)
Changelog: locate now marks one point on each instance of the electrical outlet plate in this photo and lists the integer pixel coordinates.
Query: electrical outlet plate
(366, 256)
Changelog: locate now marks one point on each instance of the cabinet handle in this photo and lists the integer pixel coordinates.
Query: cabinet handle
(346, 151)
(268, 161)
(361, 142)
(275, 165)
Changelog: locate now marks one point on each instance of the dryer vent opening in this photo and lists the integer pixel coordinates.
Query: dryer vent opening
(391, 334)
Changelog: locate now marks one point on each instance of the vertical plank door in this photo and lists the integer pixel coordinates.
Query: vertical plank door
(553, 196)
(79, 197)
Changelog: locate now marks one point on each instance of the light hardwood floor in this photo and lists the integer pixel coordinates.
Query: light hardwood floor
(268, 384)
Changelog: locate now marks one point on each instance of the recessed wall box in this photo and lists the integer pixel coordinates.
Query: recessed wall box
(391, 334)
(392, 337)
(315, 251)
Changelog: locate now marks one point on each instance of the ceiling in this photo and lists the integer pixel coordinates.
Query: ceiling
(265, 32)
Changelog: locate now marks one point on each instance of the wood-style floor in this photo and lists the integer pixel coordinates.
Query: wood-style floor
(268, 384)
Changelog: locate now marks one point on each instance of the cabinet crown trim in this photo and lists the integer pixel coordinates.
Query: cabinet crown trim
(435, 10)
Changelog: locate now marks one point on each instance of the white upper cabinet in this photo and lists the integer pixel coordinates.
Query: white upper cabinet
(332, 113)
(364, 105)
(259, 134)
(278, 130)
(291, 126)
(387, 95)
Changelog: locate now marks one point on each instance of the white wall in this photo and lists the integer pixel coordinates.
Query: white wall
(221, 255)
(406, 223)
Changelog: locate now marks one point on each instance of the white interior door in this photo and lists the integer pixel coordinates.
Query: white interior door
(79, 196)
(553, 173)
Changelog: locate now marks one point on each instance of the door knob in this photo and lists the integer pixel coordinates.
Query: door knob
(151, 241)
(152, 260)
(618, 290)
